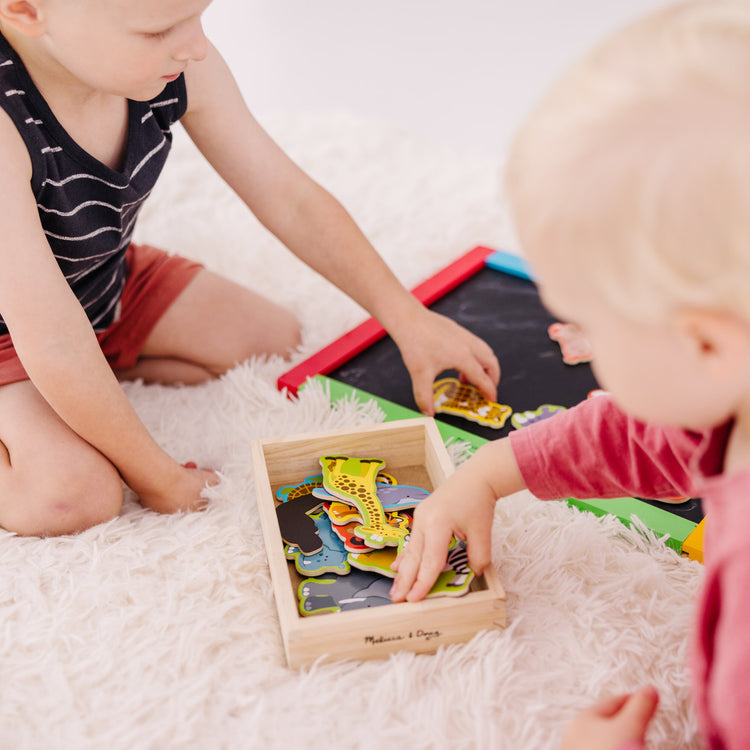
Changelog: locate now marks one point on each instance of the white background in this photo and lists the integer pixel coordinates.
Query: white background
(462, 73)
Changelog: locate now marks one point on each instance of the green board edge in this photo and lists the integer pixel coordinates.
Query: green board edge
(673, 529)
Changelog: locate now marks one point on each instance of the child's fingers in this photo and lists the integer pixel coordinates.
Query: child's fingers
(479, 549)
(419, 566)
(491, 366)
(406, 566)
(432, 564)
(642, 701)
(424, 394)
(484, 373)
(608, 707)
(640, 707)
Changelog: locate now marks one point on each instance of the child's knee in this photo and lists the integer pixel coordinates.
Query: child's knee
(85, 492)
(97, 498)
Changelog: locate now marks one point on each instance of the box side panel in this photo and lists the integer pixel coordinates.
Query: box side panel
(286, 600)
(398, 444)
(376, 633)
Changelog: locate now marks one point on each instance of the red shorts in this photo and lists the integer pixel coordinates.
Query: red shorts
(155, 279)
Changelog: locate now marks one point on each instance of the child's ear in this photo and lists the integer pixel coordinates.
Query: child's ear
(25, 16)
(718, 341)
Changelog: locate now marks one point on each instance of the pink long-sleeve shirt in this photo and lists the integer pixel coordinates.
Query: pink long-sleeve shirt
(595, 450)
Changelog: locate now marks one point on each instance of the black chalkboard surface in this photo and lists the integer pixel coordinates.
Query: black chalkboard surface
(507, 313)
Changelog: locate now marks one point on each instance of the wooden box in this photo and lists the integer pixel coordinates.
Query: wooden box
(414, 452)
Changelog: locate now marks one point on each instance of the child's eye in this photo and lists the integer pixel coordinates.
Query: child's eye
(156, 34)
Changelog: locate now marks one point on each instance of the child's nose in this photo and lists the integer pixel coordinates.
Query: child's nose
(194, 46)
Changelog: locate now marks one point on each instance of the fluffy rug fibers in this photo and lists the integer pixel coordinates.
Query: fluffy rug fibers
(160, 632)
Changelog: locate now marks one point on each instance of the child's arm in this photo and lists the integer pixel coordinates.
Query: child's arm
(57, 346)
(316, 228)
(464, 506)
(593, 450)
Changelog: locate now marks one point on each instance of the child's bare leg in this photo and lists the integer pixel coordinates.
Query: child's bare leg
(213, 325)
(51, 481)
(165, 370)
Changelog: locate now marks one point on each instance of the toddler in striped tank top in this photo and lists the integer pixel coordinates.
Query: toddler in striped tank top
(89, 90)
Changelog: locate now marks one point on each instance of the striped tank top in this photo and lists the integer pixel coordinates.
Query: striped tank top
(88, 210)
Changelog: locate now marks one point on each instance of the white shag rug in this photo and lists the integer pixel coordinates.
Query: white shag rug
(160, 632)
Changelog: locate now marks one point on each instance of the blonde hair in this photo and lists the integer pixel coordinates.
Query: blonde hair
(636, 165)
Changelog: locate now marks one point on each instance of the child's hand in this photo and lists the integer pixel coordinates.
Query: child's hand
(612, 723)
(430, 343)
(182, 492)
(463, 506)
(465, 512)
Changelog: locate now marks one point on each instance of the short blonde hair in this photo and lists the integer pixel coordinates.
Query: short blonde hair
(636, 164)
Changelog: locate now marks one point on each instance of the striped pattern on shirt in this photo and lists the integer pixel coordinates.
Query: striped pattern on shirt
(88, 210)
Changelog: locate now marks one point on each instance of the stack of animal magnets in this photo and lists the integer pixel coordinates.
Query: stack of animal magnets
(344, 528)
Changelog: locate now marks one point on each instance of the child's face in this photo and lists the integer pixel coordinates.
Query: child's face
(129, 48)
(649, 367)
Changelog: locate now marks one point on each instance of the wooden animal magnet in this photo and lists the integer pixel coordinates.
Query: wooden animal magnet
(341, 513)
(573, 344)
(352, 543)
(525, 418)
(393, 498)
(330, 559)
(345, 532)
(465, 400)
(457, 575)
(305, 487)
(400, 497)
(353, 480)
(331, 593)
(454, 580)
(295, 524)
(375, 561)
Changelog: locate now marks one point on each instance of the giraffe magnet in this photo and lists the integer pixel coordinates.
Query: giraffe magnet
(353, 480)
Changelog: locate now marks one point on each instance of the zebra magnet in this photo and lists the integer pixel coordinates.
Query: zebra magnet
(454, 580)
